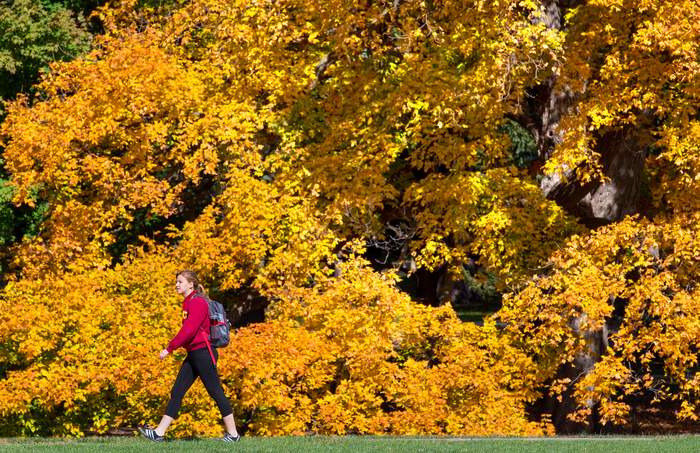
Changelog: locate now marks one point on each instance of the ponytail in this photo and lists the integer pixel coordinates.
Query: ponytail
(191, 276)
(202, 292)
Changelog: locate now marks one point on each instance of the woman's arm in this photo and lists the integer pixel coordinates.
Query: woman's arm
(199, 311)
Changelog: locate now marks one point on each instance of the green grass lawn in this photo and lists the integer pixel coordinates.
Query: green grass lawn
(363, 444)
(473, 316)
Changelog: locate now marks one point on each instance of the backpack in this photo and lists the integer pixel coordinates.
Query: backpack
(219, 325)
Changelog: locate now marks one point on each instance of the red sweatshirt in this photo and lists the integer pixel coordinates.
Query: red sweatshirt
(195, 314)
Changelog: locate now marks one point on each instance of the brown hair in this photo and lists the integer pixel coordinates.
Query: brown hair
(191, 276)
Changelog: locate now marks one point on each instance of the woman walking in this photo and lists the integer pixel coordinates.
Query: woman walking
(200, 361)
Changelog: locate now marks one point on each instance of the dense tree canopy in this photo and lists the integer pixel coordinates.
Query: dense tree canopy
(36, 34)
(267, 144)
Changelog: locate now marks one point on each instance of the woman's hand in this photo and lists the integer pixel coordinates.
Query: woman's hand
(163, 353)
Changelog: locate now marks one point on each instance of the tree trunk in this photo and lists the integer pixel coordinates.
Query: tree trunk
(578, 369)
(598, 202)
(595, 203)
(427, 283)
(621, 153)
(614, 199)
(249, 309)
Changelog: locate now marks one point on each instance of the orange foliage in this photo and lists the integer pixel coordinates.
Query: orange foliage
(350, 354)
(652, 270)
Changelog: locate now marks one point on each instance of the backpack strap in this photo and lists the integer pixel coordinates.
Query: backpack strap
(206, 340)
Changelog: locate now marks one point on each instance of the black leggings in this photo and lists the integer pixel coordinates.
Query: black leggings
(198, 363)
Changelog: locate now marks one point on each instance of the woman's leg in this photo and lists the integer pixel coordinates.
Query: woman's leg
(204, 367)
(164, 425)
(230, 424)
(185, 378)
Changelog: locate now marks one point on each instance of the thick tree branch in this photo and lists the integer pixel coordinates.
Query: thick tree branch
(322, 67)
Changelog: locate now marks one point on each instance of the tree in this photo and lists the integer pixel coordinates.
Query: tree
(380, 164)
(35, 35)
(316, 125)
(625, 88)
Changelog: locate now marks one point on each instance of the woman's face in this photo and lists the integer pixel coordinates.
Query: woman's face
(183, 286)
